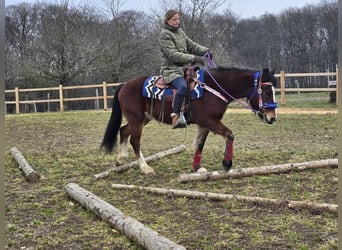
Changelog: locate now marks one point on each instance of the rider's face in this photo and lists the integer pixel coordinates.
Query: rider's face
(174, 21)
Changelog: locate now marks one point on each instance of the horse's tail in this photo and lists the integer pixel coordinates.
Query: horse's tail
(114, 124)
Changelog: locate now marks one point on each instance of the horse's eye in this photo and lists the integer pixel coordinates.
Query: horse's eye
(267, 91)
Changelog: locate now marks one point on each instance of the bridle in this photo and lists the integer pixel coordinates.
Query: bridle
(257, 90)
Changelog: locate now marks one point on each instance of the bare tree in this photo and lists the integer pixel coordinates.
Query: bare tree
(66, 47)
(21, 27)
(195, 14)
(130, 47)
(111, 6)
(54, 43)
(219, 37)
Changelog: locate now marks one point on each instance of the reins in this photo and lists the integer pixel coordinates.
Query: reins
(211, 64)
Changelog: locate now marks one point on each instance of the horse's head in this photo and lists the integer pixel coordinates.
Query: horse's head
(263, 101)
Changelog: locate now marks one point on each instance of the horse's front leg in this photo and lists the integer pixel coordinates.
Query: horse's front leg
(202, 134)
(218, 128)
(227, 161)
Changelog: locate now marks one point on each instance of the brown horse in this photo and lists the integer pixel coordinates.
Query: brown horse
(220, 87)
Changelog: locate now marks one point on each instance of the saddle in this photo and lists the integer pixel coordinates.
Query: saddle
(189, 76)
(155, 87)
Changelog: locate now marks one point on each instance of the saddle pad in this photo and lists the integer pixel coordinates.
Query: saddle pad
(151, 91)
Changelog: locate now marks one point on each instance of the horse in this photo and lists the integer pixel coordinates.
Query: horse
(219, 85)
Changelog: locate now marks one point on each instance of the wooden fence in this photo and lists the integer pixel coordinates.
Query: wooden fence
(104, 97)
(283, 89)
(61, 100)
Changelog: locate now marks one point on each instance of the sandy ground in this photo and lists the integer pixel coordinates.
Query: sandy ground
(291, 111)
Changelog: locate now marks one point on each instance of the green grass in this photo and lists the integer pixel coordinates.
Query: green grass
(307, 100)
(317, 100)
(64, 148)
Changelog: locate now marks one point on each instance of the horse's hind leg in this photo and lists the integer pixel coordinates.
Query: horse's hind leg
(136, 132)
(122, 149)
(202, 134)
(125, 132)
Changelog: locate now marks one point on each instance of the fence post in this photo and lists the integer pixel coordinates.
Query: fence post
(282, 87)
(105, 103)
(48, 97)
(97, 102)
(337, 85)
(17, 100)
(61, 106)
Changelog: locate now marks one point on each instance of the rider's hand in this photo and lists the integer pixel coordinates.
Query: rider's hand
(198, 59)
(210, 55)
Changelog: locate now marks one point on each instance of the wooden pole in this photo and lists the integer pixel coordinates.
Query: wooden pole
(128, 226)
(282, 87)
(241, 198)
(24, 166)
(135, 163)
(17, 107)
(105, 102)
(61, 99)
(337, 85)
(263, 170)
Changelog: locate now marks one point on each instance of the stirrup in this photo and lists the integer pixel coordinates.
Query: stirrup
(178, 121)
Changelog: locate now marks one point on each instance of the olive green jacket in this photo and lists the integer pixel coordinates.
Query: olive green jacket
(178, 52)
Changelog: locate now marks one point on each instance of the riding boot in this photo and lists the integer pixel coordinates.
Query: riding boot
(178, 119)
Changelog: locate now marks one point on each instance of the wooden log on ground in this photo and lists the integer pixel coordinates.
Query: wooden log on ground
(135, 163)
(29, 173)
(241, 198)
(128, 226)
(263, 170)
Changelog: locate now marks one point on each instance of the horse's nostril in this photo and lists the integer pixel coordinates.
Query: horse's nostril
(272, 120)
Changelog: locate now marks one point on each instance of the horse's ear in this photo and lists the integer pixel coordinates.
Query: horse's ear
(265, 72)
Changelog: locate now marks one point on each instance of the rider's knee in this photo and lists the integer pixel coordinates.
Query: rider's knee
(180, 84)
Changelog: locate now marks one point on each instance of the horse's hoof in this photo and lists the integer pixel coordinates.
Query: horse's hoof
(120, 161)
(202, 170)
(227, 164)
(147, 170)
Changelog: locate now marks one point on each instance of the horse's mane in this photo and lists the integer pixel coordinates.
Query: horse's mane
(224, 68)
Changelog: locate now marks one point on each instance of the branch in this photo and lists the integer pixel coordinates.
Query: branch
(264, 170)
(241, 198)
(135, 163)
(24, 166)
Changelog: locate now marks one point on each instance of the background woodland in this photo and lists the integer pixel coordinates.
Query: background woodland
(51, 44)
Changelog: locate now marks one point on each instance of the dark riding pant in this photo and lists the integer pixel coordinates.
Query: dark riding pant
(180, 84)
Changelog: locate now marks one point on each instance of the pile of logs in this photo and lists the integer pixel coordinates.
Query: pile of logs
(150, 239)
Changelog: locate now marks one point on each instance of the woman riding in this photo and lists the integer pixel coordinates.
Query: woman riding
(178, 52)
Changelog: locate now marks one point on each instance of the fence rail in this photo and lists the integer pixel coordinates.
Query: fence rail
(283, 89)
(61, 99)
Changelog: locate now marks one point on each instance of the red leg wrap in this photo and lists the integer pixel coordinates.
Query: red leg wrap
(228, 153)
(197, 160)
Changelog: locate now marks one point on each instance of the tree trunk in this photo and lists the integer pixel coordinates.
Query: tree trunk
(128, 226)
(264, 170)
(135, 163)
(241, 198)
(24, 166)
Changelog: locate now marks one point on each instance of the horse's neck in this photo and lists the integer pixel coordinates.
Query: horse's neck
(234, 83)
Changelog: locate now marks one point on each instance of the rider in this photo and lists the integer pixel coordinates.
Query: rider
(178, 52)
